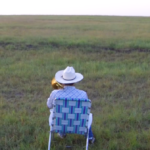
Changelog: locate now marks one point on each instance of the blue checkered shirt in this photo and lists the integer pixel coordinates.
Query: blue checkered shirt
(66, 92)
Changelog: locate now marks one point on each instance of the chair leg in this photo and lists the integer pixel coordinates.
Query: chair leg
(49, 142)
(87, 140)
(52, 136)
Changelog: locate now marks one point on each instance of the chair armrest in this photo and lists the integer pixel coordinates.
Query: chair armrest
(50, 119)
(90, 120)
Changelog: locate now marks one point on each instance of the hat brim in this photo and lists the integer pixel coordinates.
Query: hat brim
(59, 78)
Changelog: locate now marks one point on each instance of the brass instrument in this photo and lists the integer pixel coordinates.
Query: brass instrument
(56, 85)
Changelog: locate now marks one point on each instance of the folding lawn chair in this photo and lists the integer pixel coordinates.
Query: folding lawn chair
(70, 116)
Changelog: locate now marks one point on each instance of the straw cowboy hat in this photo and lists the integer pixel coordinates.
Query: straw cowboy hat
(68, 76)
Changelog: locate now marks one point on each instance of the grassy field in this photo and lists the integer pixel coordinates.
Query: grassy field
(113, 54)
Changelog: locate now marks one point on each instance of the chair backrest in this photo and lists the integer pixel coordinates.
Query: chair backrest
(71, 115)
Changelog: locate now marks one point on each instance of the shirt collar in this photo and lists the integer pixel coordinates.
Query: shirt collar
(69, 87)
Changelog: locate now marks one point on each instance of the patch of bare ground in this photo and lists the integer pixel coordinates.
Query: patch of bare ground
(54, 44)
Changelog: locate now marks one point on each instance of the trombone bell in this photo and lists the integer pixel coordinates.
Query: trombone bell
(56, 85)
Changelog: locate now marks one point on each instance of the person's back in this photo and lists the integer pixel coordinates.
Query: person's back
(67, 92)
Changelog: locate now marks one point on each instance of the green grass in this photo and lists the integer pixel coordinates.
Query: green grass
(113, 55)
(26, 32)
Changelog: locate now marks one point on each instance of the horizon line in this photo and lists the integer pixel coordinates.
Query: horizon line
(72, 15)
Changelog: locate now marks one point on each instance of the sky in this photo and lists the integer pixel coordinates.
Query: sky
(75, 7)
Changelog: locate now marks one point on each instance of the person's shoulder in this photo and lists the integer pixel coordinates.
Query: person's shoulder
(56, 91)
(81, 90)
(83, 93)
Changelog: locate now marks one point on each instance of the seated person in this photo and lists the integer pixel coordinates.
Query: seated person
(67, 78)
